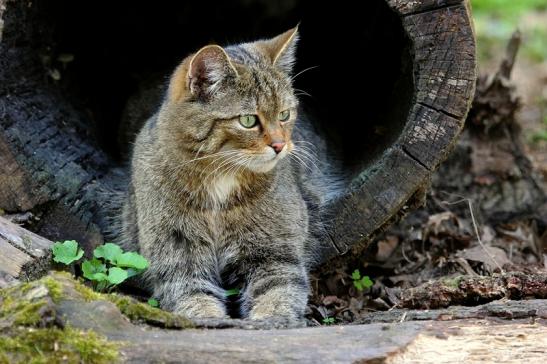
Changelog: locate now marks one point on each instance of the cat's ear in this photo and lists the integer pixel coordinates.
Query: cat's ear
(281, 50)
(207, 69)
(202, 74)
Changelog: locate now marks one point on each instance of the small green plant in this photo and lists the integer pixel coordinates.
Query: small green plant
(109, 267)
(232, 292)
(540, 136)
(153, 302)
(67, 252)
(359, 282)
(329, 320)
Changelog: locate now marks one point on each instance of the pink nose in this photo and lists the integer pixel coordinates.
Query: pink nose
(278, 146)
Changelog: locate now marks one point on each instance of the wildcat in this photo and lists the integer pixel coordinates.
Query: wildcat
(219, 194)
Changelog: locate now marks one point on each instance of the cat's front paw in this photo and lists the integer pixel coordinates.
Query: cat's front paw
(277, 304)
(201, 306)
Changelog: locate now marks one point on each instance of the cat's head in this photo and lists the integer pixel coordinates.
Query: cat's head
(234, 105)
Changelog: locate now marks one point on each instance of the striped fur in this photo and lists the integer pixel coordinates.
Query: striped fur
(209, 203)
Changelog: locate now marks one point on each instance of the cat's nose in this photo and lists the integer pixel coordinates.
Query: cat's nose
(278, 146)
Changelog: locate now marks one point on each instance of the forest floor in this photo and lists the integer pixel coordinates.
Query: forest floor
(467, 228)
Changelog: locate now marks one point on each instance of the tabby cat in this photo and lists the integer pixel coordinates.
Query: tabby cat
(224, 188)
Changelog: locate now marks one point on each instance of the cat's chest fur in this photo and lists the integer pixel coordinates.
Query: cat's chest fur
(221, 189)
(280, 211)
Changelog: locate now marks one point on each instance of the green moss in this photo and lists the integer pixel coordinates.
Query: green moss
(54, 345)
(16, 309)
(54, 287)
(142, 312)
(134, 310)
(32, 335)
(87, 293)
(452, 282)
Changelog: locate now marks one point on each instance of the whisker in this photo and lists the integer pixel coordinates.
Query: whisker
(223, 153)
(228, 161)
(307, 156)
(307, 149)
(301, 92)
(199, 150)
(302, 163)
(301, 72)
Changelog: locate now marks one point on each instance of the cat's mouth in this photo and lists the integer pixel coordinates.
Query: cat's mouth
(265, 161)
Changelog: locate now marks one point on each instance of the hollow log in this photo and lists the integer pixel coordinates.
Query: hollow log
(67, 71)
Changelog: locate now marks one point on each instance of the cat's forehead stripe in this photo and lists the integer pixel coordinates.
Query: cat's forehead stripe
(242, 54)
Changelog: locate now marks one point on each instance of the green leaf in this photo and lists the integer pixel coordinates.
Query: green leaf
(153, 302)
(367, 282)
(67, 252)
(356, 275)
(358, 285)
(328, 320)
(108, 251)
(94, 270)
(100, 277)
(232, 292)
(116, 275)
(132, 260)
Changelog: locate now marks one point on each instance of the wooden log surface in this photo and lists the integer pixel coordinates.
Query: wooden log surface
(23, 254)
(444, 71)
(501, 332)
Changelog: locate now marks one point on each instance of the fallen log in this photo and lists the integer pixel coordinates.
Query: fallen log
(471, 290)
(23, 254)
(61, 100)
(502, 309)
(62, 305)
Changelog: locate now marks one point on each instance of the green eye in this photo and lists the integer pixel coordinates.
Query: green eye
(284, 115)
(247, 121)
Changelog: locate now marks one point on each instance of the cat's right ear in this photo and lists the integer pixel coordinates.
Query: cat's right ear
(202, 75)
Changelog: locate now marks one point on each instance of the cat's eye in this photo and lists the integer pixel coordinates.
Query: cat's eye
(248, 121)
(284, 115)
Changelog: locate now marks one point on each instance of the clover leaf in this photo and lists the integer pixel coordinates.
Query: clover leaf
(94, 270)
(67, 252)
(132, 260)
(116, 275)
(359, 282)
(108, 251)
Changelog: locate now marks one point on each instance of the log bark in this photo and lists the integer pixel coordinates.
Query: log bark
(54, 166)
(520, 336)
(470, 290)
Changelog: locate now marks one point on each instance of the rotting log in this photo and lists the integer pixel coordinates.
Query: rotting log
(56, 145)
(23, 254)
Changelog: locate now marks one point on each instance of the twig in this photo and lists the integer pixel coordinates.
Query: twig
(470, 204)
(475, 226)
(510, 55)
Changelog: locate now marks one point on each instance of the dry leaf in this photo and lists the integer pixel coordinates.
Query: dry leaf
(485, 256)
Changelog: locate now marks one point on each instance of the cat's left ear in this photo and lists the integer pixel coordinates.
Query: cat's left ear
(281, 50)
(202, 75)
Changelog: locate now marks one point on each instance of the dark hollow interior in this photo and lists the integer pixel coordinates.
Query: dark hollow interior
(360, 90)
